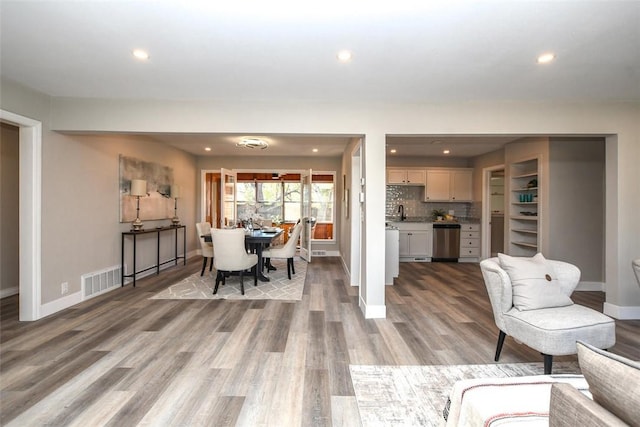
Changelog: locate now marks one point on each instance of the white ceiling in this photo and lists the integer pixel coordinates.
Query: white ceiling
(282, 50)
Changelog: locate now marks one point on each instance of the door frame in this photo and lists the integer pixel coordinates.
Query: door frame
(486, 210)
(30, 212)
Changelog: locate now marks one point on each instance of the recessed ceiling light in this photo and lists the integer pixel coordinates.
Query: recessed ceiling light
(207, 148)
(546, 58)
(446, 151)
(344, 56)
(315, 150)
(140, 54)
(393, 151)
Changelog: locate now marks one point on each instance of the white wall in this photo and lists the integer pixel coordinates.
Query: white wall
(376, 121)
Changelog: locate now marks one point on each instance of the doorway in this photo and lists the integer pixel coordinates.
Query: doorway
(30, 210)
(493, 202)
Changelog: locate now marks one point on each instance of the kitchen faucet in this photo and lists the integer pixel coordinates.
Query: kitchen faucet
(402, 215)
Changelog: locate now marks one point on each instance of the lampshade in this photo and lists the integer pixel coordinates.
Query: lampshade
(138, 187)
(176, 191)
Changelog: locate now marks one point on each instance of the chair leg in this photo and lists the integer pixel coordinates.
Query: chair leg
(255, 275)
(289, 267)
(501, 338)
(219, 278)
(211, 264)
(548, 361)
(204, 264)
(293, 270)
(242, 282)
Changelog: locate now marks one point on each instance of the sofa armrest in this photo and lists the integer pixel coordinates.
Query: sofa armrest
(569, 407)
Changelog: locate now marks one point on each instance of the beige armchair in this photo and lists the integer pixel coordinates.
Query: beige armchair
(552, 330)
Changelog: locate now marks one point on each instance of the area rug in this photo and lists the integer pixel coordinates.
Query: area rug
(416, 395)
(279, 287)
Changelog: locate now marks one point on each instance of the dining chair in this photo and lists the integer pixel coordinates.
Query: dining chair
(286, 251)
(232, 257)
(203, 228)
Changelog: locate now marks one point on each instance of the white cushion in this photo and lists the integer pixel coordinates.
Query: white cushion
(534, 282)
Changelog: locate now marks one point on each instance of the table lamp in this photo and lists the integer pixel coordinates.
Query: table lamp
(138, 189)
(175, 193)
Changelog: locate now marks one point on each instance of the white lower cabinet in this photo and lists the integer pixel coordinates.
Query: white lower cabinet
(469, 243)
(416, 241)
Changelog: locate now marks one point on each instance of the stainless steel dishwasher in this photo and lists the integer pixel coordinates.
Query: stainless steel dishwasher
(446, 242)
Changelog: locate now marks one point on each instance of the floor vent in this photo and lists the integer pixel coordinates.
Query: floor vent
(319, 253)
(99, 282)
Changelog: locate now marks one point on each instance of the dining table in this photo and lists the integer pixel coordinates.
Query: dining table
(256, 241)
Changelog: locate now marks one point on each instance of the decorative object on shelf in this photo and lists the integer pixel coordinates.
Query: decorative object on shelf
(138, 189)
(175, 193)
(532, 184)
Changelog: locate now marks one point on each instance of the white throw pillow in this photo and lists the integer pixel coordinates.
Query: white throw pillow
(534, 282)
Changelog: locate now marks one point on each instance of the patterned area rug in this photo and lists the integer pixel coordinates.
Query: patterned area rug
(279, 287)
(416, 395)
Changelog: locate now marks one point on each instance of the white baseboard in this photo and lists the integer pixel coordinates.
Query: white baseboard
(9, 291)
(373, 311)
(590, 286)
(622, 312)
(60, 304)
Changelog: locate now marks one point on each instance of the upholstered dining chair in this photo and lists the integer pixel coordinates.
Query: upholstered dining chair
(232, 256)
(635, 264)
(203, 228)
(286, 251)
(530, 302)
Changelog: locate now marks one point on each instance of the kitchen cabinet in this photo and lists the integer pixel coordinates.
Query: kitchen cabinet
(405, 176)
(449, 185)
(469, 242)
(523, 208)
(416, 241)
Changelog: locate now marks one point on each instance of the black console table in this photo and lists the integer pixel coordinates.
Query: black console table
(135, 234)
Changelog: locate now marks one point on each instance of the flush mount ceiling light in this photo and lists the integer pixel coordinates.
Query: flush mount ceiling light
(545, 58)
(252, 143)
(140, 54)
(344, 56)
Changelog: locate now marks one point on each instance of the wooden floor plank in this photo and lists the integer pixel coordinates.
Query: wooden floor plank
(125, 359)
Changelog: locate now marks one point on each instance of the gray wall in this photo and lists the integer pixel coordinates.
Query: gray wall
(617, 120)
(576, 204)
(9, 221)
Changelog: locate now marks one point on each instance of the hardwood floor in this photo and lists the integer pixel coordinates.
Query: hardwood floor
(123, 359)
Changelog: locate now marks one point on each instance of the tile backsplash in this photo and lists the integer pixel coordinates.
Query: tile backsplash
(411, 197)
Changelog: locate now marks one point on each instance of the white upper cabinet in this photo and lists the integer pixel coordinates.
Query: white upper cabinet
(405, 176)
(449, 185)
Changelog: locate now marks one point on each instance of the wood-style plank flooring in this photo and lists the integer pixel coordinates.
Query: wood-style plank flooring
(122, 359)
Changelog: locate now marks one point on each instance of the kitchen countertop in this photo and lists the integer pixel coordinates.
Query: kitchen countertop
(459, 220)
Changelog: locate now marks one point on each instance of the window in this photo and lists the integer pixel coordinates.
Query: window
(280, 200)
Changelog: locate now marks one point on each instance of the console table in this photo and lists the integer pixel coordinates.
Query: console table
(158, 231)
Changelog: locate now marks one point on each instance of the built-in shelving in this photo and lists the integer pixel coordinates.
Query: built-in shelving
(523, 207)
